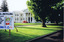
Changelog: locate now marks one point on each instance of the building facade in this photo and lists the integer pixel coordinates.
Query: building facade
(25, 15)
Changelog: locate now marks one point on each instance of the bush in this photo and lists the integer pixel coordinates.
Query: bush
(25, 22)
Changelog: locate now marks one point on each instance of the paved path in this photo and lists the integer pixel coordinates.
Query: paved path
(25, 25)
(57, 37)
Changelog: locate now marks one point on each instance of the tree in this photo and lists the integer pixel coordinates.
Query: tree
(57, 13)
(4, 6)
(41, 8)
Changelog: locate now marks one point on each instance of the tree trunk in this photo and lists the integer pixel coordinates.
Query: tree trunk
(56, 22)
(43, 23)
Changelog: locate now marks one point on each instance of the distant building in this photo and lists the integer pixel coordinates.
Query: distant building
(25, 15)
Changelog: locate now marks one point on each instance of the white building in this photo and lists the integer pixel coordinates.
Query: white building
(25, 15)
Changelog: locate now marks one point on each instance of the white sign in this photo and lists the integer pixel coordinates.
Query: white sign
(6, 20)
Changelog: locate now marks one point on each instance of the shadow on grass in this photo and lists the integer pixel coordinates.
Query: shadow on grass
(37, 28)
(14, 37)
(55, 27)
(55, 24)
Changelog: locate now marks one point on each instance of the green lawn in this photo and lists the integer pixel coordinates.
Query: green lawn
(16, 24)
(27, 32)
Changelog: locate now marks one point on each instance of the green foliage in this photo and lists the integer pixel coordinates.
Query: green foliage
(31, 9)
(56, 10)
(40, 8)
(47, 18)
(59, 5)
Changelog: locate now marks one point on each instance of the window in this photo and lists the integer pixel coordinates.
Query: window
(17, 18)
(29, 13)
(26, 14)
(15, 14)
(21, 18)
(21, 14)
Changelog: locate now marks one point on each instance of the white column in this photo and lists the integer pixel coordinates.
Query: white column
(30, 17)
(19, 18)
(27, 17)
(16, 19)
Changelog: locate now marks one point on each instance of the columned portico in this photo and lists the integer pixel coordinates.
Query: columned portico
(28, 17)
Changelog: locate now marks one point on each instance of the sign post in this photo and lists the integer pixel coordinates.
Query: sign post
(16, 29)
(9, 32)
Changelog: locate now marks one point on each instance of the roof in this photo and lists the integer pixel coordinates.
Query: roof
(26, 10)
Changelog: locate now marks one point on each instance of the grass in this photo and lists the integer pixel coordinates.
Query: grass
(27, 33)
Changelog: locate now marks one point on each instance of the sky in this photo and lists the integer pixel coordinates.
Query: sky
(16, 5)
